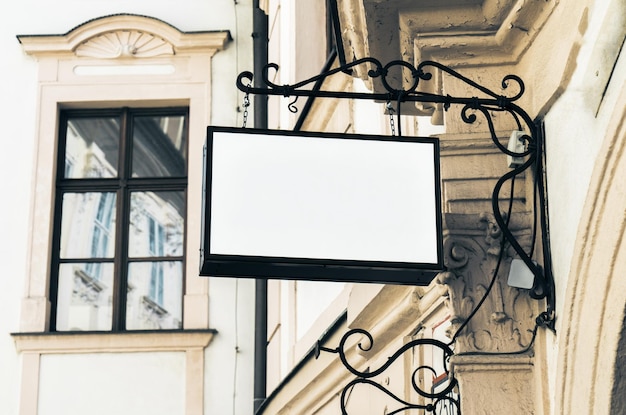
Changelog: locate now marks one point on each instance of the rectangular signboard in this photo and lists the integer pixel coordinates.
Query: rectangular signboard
(321, 206)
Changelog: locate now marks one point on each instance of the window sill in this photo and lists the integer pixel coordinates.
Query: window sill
(128, 341)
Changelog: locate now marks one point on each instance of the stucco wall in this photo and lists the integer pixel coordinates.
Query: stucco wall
(19, 108)
(104, 383)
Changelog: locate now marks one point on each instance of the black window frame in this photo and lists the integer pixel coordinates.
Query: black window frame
(123, 185)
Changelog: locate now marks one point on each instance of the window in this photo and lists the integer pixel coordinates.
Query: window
(188, 84)
(119, 229)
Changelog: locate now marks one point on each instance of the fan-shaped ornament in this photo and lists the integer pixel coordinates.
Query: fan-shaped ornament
(124, 44)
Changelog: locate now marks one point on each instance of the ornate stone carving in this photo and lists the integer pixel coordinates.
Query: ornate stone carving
(124, 44)
(472, 248)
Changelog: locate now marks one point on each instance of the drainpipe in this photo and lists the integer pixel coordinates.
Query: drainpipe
(260, 40)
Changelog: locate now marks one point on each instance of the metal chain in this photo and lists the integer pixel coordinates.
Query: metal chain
(246, 104)
(392, 123)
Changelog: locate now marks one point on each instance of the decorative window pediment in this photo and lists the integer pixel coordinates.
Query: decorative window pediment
(116, 61)
(124, 36)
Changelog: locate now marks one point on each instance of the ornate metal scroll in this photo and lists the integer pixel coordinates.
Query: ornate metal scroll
(435, 401)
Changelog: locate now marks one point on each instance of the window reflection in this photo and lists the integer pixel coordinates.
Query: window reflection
(92, 147)
(84, 302)
(88, 225)
(154, 299)
(154, 294)
(156, 224)
(159, 146)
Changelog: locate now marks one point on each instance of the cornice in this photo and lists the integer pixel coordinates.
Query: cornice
(83, 342)
(133, 35)
(457, 34)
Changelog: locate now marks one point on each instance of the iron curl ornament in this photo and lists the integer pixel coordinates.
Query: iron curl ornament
(484, 103)
(437, 400)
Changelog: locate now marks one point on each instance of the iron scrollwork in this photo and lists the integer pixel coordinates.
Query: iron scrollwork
(437, 401)
(485, 103)
(489, 102)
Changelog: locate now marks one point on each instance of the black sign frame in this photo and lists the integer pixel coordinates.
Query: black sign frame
(316, 269)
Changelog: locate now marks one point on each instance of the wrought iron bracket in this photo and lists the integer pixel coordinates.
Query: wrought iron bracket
(488, 102)
(484, 103)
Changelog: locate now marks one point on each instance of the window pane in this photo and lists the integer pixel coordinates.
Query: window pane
(159, 146)
(155, 294)
(84, 296)
(91, 147)
(156, 224)
(88, 225)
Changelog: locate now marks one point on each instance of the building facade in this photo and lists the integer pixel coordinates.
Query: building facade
(104, 310)
(569, 55)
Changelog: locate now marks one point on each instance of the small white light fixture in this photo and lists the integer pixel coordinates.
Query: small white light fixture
(520, 276)
(516, 145)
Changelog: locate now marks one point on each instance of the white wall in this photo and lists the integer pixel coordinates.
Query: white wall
(230, 357)
(18, 115)
(105, 383)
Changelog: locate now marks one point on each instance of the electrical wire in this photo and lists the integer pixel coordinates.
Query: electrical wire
(236, 330)
(544, 318)
(495, 271)
(236, 41)
(236, 302)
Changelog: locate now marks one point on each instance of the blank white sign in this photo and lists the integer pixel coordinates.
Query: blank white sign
(357, 198)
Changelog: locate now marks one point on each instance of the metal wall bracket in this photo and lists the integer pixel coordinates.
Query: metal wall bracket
(530, 159)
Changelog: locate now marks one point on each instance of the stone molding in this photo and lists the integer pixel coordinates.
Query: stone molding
(497, 34)
(123, 36)
(89, 342)
(490, 383)
(490, 32)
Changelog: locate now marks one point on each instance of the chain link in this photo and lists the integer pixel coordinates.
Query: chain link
(246, 104)
(392, 123)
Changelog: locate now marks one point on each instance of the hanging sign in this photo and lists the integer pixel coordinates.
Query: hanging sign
(321, 206)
